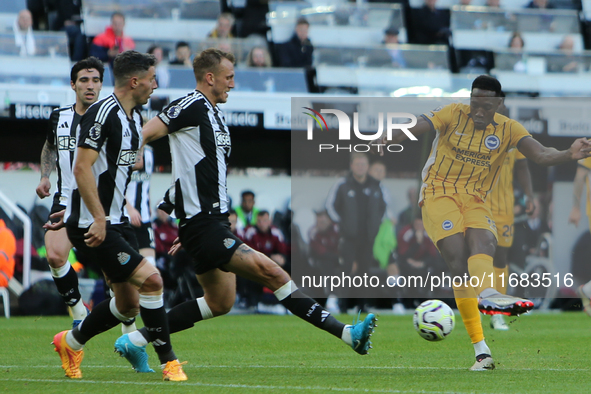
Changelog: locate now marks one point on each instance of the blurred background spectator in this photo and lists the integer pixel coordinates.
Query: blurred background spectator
(112, 41)
(23, 33)
(162, 74)
(391, 38)
(247, 212)
(223, 28)
(430, 25)
(182, 55)
(259, 57)
(7, 252)
(541, 4)
(65, 15)
(297, 52)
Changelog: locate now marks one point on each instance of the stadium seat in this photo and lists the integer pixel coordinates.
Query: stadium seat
(200, 10)
(6, 298)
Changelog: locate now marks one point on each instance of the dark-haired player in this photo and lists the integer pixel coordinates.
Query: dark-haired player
(468, 151)
(86, 79)
(108, 143)
(200, 147)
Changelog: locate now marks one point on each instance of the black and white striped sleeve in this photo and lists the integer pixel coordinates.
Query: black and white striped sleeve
(189, 111)
(94, 126)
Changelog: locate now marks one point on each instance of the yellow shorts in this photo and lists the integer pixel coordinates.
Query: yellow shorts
(505, 230)
(447, 215)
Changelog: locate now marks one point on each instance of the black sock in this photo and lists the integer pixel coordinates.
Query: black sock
(156, 326)
(129, 322)
(181, 317)
(306, 308)
(99, 320)
(67, 286)
(184, 316)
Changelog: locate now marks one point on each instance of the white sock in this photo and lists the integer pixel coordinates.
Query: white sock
(137, 339)
(72, 342)
(346, 335)
(61, 271)
(587, 289)
(489, 291)
(481, 348)
(128, 328)
(204, 308)
(79, 311)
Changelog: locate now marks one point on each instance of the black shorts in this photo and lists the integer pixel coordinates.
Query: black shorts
(208, 240)
(55, 207)
(145, 236)
(117, 256)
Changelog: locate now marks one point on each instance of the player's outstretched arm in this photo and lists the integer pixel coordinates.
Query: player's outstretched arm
(546, 156)
(86, 182)
(399, 136)
(48, 160)
(578, 185)
(524, 179)
(153, 130)
(139, 161)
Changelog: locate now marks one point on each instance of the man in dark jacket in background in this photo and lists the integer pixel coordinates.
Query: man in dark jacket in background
(297, 52)
(357, 204)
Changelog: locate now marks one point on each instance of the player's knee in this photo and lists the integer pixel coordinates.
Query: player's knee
(152, 284)
(222, 306)
(55, 260)
(124, 308)
(130, 312)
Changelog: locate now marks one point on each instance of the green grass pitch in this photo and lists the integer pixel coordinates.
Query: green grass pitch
(542, 353)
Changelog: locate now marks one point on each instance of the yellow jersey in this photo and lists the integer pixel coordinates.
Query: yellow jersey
(464, 160)
(501, 199)
(587, 164)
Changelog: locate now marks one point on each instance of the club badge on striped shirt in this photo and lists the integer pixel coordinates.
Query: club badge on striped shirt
(95, 132)
(173, 111)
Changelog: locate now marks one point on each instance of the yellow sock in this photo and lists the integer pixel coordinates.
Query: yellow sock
(501, 278)
(468, 307)
(481, 266)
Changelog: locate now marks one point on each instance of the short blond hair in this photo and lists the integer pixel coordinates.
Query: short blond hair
(209, 61)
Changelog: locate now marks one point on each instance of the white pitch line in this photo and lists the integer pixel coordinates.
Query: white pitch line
(401, 367)
(238, 386)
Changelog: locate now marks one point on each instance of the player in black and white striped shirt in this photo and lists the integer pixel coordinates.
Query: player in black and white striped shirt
(86, 79)
(200, 146)
(108, 143)
(138, 205)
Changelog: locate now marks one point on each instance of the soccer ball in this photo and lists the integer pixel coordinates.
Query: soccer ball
(434, 320)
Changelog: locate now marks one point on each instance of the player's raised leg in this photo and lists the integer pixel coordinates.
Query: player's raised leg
(255, 266)
(220, 291)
